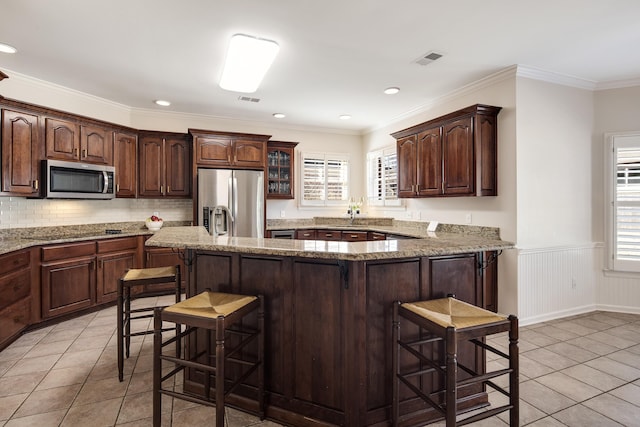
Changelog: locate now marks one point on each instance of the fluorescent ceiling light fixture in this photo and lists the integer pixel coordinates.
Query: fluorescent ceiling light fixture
(5, 48)
(391, 90)
(248, 60)
(162, 103)
(345, 117)
(279, 115)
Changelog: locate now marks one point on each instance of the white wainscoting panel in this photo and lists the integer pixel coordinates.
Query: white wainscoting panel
(557, 282)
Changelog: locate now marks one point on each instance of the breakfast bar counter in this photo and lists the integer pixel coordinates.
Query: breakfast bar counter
(328, 313)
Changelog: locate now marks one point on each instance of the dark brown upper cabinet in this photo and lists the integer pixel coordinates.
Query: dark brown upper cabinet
(125, 160)
(72, 141)
(165, 165)
(229, 149)
(21, 152)
(452, 155)
(280, 169)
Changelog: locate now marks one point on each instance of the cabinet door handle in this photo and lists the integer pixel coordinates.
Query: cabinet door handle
(229, 158)
(168, 189)
(35, 185)
(117, 188)
(162, 189)
(354, 236)
(235, 158)
(417, 188)
(84, 153)
(75, 152)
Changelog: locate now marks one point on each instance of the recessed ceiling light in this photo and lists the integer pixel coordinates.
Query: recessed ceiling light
(248, 59)
(279, 115)
(391, 90)
(5, 48)
(345, 117)
(162, 103)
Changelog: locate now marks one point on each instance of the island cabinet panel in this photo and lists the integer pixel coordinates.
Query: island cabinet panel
(409, 284)
(329, 329)
(318, 346)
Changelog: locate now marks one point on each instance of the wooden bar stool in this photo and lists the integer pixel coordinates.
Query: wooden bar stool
(449, 322)
(220, 315)
(140, 277)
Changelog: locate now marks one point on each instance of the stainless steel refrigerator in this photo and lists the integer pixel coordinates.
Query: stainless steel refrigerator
(231, 202)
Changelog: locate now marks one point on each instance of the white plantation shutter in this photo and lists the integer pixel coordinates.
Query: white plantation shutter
(626, 204)
(383, 177)
(313, 179)
(325, 179)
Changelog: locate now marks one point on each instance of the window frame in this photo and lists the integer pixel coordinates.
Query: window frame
(327, 158)
(374, 158)
(613, 141)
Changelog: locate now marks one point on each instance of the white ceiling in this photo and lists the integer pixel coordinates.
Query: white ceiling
(336, 56)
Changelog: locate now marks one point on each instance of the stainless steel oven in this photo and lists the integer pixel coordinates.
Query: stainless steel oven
(73, 180)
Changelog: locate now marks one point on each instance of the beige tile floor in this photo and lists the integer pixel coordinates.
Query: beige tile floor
(580, 371)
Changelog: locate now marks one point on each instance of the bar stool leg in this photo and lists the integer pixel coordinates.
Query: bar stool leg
(395, 333)
(157, 367)
(119, 333)
(127, 315)
(451, 377)
(220, 372)
(261, 356)
(178, 326)
(514, 380)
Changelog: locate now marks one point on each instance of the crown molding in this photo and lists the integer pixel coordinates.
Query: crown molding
(618, 84)
(19, 78)
(552, 77)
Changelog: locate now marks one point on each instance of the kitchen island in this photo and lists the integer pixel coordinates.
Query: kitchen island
(328, 313)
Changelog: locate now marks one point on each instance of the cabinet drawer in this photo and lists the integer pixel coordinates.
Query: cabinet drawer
(14, 287)
(69, 250)
(14, 261)
(374, 235)
(329, 235)
(354, 236)
(306, 234)
(15, 318)
(117, 244)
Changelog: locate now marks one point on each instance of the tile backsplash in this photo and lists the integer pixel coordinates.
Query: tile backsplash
(18, 212)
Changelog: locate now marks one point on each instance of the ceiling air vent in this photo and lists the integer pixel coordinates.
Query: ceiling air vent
(428, 58)
(248, 99)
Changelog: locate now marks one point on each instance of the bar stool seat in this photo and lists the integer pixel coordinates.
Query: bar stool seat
(448, 322)
(220, 314)
(148, 278)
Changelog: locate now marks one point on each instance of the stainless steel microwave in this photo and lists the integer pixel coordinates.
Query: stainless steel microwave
(72, 180)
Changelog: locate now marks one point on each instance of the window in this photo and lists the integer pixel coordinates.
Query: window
(623, 213)
(382, 177)
(325, 179)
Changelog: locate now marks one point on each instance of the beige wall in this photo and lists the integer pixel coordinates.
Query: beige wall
(554, 128)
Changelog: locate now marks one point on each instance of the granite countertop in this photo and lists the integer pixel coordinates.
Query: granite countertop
(439, 243)
(22, 238)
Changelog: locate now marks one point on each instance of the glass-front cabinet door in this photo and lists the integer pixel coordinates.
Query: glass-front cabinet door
(280, 169)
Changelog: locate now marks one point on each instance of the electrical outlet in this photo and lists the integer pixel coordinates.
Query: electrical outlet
(468, 218)
(282, 214)
(156, 214)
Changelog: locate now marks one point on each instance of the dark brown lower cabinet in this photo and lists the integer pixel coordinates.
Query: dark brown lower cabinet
(15, 294)
(68, 277)
(328, 359)
(114, 258)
